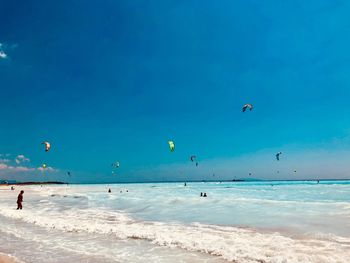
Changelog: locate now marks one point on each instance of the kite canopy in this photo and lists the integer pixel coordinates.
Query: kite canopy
(278, 156)
(171, 145)
(194, 158)
(250, 106)
(116, 164)
(47, 146)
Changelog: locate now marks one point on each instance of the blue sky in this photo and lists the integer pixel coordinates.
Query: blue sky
(116, 80)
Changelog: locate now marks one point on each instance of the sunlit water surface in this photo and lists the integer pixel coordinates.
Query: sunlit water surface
(280, 221)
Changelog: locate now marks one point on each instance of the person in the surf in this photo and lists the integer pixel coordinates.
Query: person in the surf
(20, 200)
(109, 190)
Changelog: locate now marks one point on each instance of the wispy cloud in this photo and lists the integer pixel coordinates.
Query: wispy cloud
(48, 169)
(20, 164)
(21, 159)
(6, 167)
(3, 55)
(3, 166)
(6, 47)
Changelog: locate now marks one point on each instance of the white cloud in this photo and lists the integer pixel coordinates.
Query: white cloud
(3, 55)
(10, 168)
(21, 159)
(17, 165)
(4, 47)
(48, 169)
(2, 52)
(3, 166)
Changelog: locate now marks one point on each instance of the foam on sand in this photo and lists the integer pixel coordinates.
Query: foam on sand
(230, 243)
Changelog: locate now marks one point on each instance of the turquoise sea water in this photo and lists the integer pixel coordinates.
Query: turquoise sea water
(275, 221)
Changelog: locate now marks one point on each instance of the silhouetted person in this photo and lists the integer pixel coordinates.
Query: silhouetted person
(20, 200)
(185, 184)
(201, 194)
(109, 190)
(205, 195)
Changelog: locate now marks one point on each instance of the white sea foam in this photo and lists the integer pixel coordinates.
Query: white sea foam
(231, 243)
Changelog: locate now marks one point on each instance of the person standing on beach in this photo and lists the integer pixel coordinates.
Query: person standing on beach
(20, 200)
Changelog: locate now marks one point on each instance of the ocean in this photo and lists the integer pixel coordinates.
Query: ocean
(242, 222)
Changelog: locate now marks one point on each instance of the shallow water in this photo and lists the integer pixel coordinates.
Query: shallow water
(277, 221)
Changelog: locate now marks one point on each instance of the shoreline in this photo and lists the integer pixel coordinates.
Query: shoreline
(33, 183)
(167, 182)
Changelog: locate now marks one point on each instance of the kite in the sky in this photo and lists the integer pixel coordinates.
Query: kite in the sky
(193, 158)
(171, 145)
(250, 106)
(47, 146)
(278, 156)
(116, 164)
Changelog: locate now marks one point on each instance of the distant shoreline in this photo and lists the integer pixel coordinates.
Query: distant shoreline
(222, 181)
(33, 183)
(159, 182)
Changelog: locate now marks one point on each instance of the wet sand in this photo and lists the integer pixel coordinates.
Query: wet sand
(7, 259)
